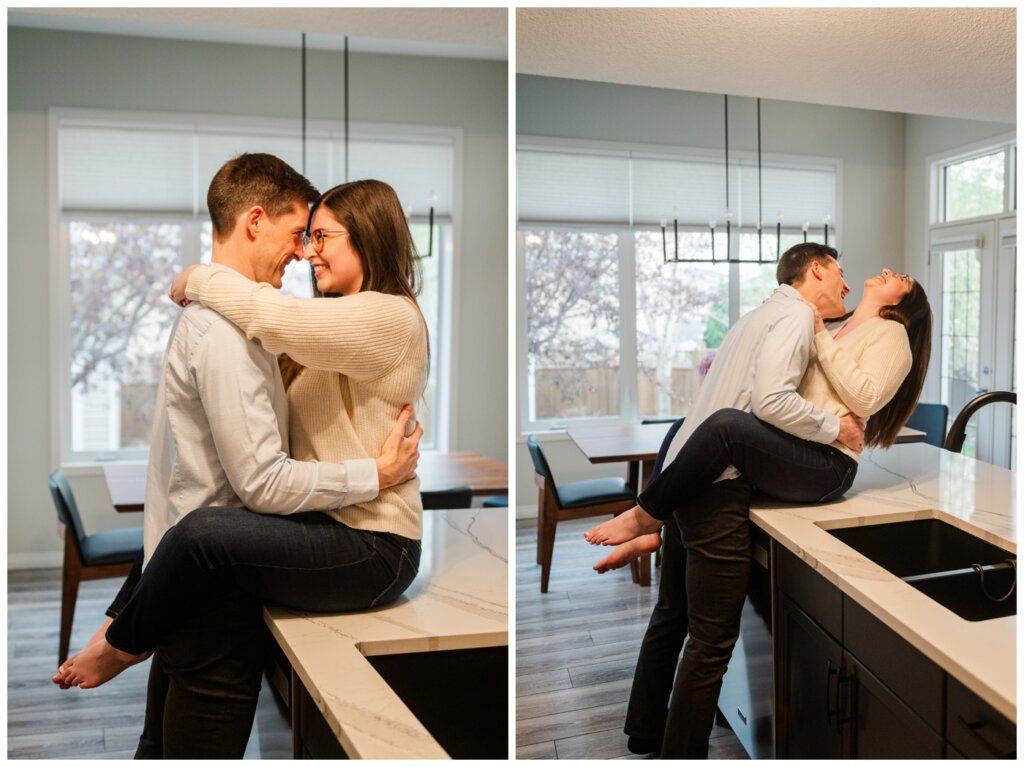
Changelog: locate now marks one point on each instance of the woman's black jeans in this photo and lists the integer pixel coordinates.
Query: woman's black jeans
(200, 600)
(776, 463)
(303, 561)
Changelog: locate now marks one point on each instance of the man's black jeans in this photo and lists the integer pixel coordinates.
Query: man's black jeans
(702, 588)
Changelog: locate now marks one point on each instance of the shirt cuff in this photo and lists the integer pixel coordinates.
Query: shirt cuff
(363, 483)
(830, 427)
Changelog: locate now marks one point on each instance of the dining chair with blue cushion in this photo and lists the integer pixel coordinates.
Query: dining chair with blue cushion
(107, 554)
(572, 500)
(930, 417)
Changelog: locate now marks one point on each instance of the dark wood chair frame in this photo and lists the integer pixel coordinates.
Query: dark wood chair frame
(75, 568)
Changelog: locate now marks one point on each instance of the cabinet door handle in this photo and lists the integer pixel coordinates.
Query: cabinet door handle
(840, 720)
(830, 672)
(973, 727)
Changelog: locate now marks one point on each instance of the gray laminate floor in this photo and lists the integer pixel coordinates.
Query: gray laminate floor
(44, 722)
(576, 648)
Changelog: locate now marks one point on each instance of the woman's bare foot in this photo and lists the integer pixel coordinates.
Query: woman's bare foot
(625, 553)
(99, 634)
(625, 527)
(99, 662)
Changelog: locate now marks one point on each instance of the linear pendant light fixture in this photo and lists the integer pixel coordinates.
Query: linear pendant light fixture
(728, 216)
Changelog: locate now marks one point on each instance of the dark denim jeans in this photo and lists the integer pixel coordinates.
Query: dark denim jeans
(303, 561)
(776, 463)
(703, 584)
(199, 601)
(204, 685)
(706, 566)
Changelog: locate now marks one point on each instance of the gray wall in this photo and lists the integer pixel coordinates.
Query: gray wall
(881, 208)
(67, 69)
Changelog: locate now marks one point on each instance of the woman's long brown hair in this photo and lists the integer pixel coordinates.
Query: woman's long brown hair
(914, 313)
(371, 213)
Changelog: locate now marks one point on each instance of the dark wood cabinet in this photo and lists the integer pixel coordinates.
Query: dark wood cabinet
(882, 726)
(975, 729)
(809, 720)
(848, 686)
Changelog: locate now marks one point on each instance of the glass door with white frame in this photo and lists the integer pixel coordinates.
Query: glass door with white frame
(973, 329)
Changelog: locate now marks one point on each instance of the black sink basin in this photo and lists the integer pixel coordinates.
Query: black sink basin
(920, 546)
(971, 577)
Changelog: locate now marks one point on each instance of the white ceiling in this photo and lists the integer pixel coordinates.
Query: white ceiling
(951, 62)
(480, 33)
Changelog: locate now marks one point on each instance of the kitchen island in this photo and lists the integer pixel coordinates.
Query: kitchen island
(903, 483)
(422, 678)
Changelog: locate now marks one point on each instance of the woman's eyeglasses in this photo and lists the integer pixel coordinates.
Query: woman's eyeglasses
(317, 238)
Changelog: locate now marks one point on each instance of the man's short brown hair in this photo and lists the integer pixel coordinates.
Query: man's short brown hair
(254, 179)
(794, 262)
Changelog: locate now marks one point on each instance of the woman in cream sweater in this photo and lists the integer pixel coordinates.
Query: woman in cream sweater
(352, 362)
(873, 366)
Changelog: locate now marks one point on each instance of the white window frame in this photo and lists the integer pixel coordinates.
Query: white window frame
(444, 357)
(628, 406)
(937, 164)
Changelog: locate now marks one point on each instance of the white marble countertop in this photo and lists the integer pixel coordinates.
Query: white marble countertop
(907, 482)
(458, 601)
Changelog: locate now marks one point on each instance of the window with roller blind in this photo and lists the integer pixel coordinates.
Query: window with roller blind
(131, 212)
(608, 329)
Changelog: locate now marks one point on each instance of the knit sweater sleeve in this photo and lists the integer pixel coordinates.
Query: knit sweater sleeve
(362, 336)
(868, 380)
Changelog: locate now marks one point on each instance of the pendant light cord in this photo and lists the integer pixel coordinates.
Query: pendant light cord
(760, 211)
(727, 152)
(346, 110)
(303, 103)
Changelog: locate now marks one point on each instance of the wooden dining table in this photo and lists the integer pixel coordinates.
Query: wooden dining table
(637, 444)
(126, 481)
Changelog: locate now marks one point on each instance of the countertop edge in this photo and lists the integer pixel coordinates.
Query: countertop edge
(370, 699)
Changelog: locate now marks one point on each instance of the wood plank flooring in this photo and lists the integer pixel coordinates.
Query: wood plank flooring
(45, 722)
(576, 648)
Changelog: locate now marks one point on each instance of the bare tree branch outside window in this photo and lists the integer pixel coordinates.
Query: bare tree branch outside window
(120, 314)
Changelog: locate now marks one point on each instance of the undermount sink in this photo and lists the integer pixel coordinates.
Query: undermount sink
(971, 577)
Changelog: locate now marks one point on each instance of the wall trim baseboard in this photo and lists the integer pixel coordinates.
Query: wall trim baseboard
(38, 560)
(526, 512)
